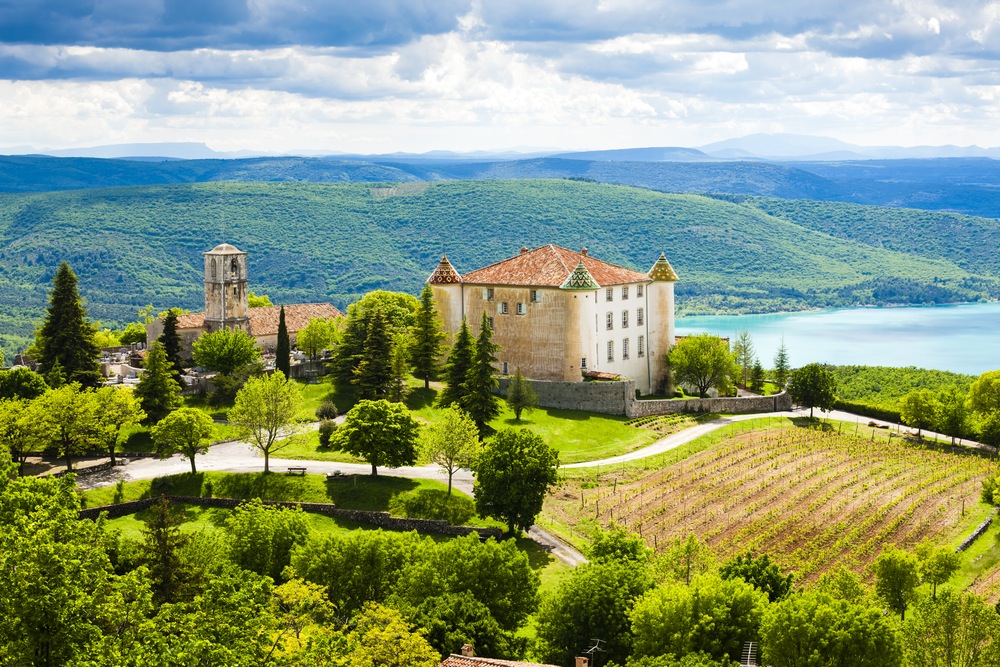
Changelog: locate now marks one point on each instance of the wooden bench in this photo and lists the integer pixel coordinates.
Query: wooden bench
(297, 471)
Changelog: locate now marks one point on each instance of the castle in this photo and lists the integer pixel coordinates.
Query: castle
(561, 315)
(227, 306)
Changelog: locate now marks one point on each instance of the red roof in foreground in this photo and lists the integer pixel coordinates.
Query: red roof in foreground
(454, 660)
(264, 321)
(550, 266)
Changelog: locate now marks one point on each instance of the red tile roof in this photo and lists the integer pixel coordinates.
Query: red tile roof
(454, 660)
(264, 321)
(550, 266)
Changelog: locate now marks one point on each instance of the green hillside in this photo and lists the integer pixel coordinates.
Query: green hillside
(136, 245)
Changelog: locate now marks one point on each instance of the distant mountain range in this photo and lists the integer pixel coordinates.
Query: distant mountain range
(774, 147)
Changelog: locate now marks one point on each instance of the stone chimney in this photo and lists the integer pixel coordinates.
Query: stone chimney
(469, 652)
(581, 661)
(584, 253)
(524, 249)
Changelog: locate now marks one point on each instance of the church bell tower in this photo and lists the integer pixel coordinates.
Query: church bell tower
(226, 289)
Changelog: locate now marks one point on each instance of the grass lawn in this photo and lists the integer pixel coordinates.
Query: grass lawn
(306, 446)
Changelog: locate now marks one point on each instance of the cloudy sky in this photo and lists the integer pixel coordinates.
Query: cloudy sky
(416, 75)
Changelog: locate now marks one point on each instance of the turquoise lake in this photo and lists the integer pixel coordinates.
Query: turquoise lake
(964, 337)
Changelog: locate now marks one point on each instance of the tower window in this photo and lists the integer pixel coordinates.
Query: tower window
(214, 268)
(611, 321)
(583, 363)
(638, 317)
(236, 291)
(234, 267)
(642, 346)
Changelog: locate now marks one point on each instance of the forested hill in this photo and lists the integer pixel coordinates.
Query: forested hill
(964, 185)
(138, 245)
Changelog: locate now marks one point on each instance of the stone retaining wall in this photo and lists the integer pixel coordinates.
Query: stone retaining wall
(983, 527)
(618, 398)
(380, 519)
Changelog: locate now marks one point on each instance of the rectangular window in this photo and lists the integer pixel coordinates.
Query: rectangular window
(611, 321)
(609, 294)
(535, 297)
(506, 369)
(642, 346)
(522, 309)
(638, 291)
(624, 319)
(489, 320)
(503, 308)
(488, 293)
(624, 292)
(638, 317)
(583, 364)
(611, 350)
(625, 348)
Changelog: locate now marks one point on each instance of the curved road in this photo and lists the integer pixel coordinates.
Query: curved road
(241, 457)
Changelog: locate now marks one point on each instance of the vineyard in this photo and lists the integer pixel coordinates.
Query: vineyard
(813, 499)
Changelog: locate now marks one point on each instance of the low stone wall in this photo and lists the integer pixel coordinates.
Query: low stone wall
(608, 398)
(729, 406)
(380, 519)
(982, 528)
(618, 398)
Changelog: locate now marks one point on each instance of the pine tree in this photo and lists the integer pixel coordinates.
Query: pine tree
(781, 368)
(425, 348)
(399, 369)
(459, 362)
(347, 353)
(373, 373)
(521, 395)
(67, 338)
(481, 381)
(757, 376)
(283, 352)
(171, 341)
(158, 390)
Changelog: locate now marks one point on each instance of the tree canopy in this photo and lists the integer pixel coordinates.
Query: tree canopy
(66, 337)
(381, 432)
(452, 442)
(225, 350)
(185, 431)
(264, 413)
(704, 362)
(813, 386)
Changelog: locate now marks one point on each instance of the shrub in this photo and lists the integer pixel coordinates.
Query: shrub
(326, 410)
(327, 428)
(433, 504)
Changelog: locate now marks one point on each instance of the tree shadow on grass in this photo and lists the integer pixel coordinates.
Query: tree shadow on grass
(814, 423)
(364, 492)
(538, 556)
(421, 398)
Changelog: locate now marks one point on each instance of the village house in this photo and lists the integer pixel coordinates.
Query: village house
(227, 306)
(562, 315)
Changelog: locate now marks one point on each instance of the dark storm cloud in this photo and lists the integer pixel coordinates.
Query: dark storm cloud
(165, 25)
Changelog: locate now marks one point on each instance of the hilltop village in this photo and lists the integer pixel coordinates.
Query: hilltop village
(442, 479)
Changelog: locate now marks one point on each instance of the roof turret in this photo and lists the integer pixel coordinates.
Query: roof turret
(444, 274)
(580, 279)
(225, 249)
(662, 271)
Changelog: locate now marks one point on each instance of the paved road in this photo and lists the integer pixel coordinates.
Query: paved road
(241, 457)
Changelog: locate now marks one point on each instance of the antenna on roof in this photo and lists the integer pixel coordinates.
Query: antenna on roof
(594, 650)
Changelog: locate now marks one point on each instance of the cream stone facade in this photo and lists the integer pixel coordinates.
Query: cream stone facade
(559, 315)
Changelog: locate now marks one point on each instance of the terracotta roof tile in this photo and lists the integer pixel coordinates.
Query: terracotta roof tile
(264, 321)
(551, 266)
(454, 660)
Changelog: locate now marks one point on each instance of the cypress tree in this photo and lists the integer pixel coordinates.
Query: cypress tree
(283, 353)
(374, 372)
(481, 381)
(781, 367)
(427, 336)
(459, 362)
(171, 342)
(66, 339)
(158, 391)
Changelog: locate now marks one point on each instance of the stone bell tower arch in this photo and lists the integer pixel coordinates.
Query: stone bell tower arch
(226, 289)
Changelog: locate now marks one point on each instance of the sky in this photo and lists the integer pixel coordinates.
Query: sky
(375, 76)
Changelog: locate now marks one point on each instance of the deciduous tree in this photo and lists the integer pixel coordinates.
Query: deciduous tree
(452, 442)
(919, 408)
(117, 409)
(897, 575)
(759, 572)
(381, 432)
(74, 412)
(262, 537)
(955, 629)
(953, 415)
(813, 386)
(937, 565)
(513, 475)
(66, 337)
(264, 410)
(425, 343)
(225, 351)
(185, 431)
(320, 334)
(21, 382)
(704, 362)
(26, 428)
